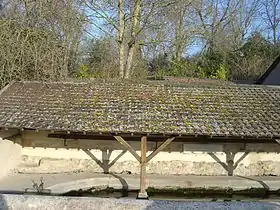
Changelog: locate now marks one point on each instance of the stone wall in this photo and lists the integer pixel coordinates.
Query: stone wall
(47, 155)
(48, 161)
(10, 156)
(177, 158)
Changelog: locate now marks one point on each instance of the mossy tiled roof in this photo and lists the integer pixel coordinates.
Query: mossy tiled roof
(192, 80)
(152, 108)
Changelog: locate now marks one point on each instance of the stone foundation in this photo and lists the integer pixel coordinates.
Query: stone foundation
(41, 154)
(35, 164)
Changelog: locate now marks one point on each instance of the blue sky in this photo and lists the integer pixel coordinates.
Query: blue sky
(192, 49)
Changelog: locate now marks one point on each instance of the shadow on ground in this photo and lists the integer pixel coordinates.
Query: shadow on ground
(124, 185)
(262, 183)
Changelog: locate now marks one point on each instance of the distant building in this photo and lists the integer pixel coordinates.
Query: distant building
(189, 80)
(244, 82)
(272, 75)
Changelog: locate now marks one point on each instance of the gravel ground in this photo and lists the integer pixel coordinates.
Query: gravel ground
(25, 202)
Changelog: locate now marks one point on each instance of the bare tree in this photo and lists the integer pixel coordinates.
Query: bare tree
(126, 21)
(38, 39)
(182, 27)
(271, 16)
(214, 18)
(242, 23)
(121, 43)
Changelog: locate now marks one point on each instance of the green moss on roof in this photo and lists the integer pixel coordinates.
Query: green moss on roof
(143, 107)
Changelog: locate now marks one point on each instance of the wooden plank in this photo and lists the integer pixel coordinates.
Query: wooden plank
(202, 147)
(160, 148)
(128, 147)
(143, 193)
(155, 138)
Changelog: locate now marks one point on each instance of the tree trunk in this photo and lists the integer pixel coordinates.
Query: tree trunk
(132, 43)
(179, 35)
(121, 59)
(274, 27)
(120, 38)
(129, 61)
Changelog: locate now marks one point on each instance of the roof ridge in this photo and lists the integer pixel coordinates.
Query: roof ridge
(51, 82)
(145, 82)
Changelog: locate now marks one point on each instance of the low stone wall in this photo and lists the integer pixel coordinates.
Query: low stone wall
(41, 154)
(71, 160)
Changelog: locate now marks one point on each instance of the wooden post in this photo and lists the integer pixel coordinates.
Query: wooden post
(143, 159)
(143, 194)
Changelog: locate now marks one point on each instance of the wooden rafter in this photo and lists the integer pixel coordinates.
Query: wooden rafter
(160, 148)
(128, 147)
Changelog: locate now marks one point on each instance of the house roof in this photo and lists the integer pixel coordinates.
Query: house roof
(190, 80)
(248, 82)
(268, 71)
(193, 80)
(146, 108)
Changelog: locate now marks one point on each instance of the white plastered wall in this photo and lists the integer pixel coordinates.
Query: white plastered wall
(48, 155)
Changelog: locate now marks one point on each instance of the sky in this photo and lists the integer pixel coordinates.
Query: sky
(194, 48)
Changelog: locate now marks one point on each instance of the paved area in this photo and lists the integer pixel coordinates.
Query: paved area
(61, 183)
(24, 202)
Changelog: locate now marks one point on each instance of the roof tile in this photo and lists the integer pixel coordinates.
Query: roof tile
(232, 110)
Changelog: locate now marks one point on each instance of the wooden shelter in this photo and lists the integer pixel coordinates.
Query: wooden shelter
(142, 112)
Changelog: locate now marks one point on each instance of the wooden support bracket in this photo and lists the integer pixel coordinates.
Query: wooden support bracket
(143, 160)
(160, 148)
(277, 141)
(128, 147)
